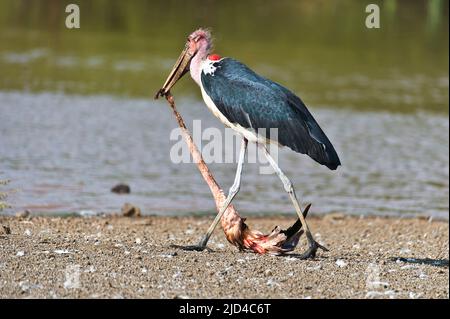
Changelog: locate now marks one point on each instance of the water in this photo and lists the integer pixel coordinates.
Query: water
(76, 114)
(66, 152)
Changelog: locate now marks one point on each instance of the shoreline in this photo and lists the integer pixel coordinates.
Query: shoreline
(11, 213)
(122, 257)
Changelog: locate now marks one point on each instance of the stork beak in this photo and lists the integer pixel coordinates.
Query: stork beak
(179, 69)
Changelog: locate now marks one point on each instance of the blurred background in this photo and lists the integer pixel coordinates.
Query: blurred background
(77, 114)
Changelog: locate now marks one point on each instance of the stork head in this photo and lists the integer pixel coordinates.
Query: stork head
(200, 40)
(198, 45)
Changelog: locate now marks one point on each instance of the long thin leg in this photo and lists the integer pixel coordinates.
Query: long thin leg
(234, 189)
(289, 188)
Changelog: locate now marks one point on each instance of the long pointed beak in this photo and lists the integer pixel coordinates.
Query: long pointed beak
(179, 69)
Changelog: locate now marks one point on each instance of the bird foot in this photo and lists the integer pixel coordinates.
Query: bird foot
(312, 250)
(192, 248)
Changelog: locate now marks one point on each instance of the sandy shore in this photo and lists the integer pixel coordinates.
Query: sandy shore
(121, 257)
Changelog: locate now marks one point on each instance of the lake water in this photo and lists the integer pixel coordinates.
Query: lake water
(77, 115)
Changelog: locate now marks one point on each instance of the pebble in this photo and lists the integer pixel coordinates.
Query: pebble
(23, 213)
(272, 283)
(423, 276)
(318, 267)
(5, 230)
(341, 263)
(405, 250)
(61, 251)
(87, 213)
(129, 210)
(121, 189)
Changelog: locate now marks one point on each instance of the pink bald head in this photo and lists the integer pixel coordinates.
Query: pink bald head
(200, 46)
(200, 43)
(201, 34)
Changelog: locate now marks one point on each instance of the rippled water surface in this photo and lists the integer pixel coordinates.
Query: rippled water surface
(77, 115)
(66, 152)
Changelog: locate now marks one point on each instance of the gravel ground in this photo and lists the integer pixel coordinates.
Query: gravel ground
(119, 257)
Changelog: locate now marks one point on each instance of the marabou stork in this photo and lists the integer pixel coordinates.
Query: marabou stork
(250, 104)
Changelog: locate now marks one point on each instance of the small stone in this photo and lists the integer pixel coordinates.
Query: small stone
(23, 213)
(317, 267)
(129, 210)
(61, 251)
(341, 263)
(5, 230)
(121, 189)
(272, 283)
(423, 276)
(334, 216)
(88, 213)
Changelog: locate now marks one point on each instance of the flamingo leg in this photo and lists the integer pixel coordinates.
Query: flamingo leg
(234, 189)
(289, 188)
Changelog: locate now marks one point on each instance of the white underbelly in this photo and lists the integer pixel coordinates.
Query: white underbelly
(250, 135)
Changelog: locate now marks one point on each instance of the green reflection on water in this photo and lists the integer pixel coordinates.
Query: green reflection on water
(319, 49)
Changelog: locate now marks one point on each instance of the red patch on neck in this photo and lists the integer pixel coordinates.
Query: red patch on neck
(214, 57)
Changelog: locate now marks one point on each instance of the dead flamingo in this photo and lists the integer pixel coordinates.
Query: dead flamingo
(247, 102)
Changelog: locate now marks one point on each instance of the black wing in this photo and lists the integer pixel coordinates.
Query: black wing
(254, 102)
